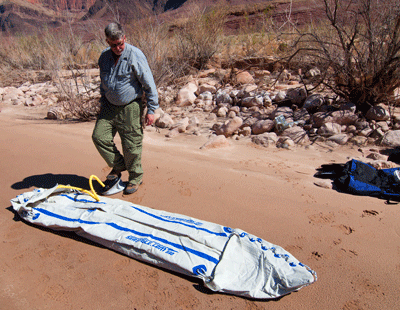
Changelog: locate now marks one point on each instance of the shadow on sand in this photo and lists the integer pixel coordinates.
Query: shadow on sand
(50, 180)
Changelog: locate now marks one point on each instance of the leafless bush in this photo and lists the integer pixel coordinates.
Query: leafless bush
(199, 38)
(357, 49)
(70, 71)
(176, 47)
(81, 109)
(153, 41)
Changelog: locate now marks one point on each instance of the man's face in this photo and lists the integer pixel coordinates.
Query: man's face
(117, 46)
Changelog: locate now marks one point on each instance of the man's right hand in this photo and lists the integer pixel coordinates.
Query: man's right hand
(149, 120)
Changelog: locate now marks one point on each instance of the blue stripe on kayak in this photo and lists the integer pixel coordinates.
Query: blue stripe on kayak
(178, 246)
(64, 218)
(81, 200)
(221, 234)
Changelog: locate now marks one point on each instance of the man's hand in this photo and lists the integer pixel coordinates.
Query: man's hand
(149, 119)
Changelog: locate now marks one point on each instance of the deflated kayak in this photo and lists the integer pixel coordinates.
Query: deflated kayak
(227, 260)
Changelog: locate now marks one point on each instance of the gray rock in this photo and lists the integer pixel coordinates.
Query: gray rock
(223, 97)
(348, 106)
(265, 139)
(340, 139)
(329, 129)
(313, 102)
(206, 95)
(296, 95)
(280, 96)
(297, 134)
(285, 111)
(392, 138)
(262, 126)
(301, 115)
(377, 113)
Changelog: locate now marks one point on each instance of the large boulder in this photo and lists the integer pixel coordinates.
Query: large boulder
(164, 121)
(244, 77)
(186, 95)
(265, 139)
(391, 138)
(330, 129)
(262, 126)
(344, 117)
(297, 134)
(340, 138)
(229, 127)
(296, 95)
(313, 102)
(377, 113)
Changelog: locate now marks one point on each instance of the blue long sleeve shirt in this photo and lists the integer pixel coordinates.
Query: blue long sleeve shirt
(126, 80)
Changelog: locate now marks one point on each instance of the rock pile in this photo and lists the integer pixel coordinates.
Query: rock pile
(256, 108)
(52, 94)
(284, 116)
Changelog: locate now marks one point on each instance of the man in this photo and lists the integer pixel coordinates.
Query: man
(125, 76)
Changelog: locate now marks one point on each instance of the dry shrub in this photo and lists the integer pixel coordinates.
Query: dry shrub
(22, 52)
(197, 39)
(152, 40)
(81, 109)
(174, 48)
(254, 35)
(357, 47)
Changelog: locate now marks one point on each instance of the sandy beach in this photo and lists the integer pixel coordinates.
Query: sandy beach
(352, 242)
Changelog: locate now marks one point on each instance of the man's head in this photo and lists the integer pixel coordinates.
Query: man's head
(115, 37)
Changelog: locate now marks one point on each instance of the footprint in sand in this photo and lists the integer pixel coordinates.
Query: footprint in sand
(316, 255)
(337, 242)
(347, 230)
(369, 213)
(321, 218)
(185, 192)
(351, 253)
(353, 305)
(56, 292)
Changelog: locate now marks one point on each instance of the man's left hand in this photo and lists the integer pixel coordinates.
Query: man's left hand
(149, 119)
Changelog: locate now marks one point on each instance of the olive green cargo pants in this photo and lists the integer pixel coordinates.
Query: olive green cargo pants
(126, 120)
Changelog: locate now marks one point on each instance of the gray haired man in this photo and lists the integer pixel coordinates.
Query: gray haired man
(125, 77)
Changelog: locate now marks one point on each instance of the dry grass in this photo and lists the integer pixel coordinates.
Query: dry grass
(176, 48)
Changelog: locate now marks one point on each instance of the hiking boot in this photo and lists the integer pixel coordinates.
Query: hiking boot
(114, 174)
(131, 188)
